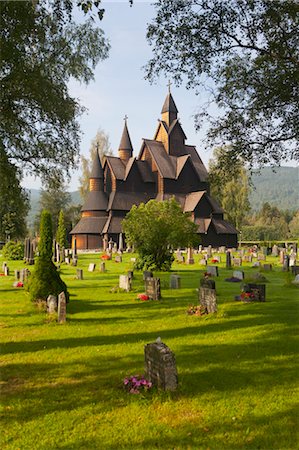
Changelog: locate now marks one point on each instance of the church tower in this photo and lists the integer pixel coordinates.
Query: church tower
(169, 110)
(125, 149)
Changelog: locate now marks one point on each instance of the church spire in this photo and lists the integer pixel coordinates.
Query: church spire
(96, 175)
(169, 109)
(125, 149)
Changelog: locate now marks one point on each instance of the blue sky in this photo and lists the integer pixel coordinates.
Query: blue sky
(120, 89)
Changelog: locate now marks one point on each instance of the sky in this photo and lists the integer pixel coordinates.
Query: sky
(120, 88)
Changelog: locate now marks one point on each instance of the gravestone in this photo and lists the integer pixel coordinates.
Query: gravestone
(79, 274)
(17, 274)
(207, 299)
(125, 282)
(222, 249)
(296, 281)
(75, 248)
(130, 274)
(239, 274)
(259, 291)
(147, 274)
(61, 311)
(160, 366)
(213, 271)
(190, 259)
(264, 250)
(6, 271)
(208, 283)
(175, 282)
(261, 257)
(237, 262)
(133, 260)
(180, 257)
(281, 256)
(295, 270)
(51, 304)
(292, 260)
(256, 264)
(3, 266)
(267, 267)
(120, 243)
(153, 288)
(118, 259)
(66, 253)
(228, 260)
(91, 267)
(203, 262)
(275, 250)
(103, 267)
(67, 260)
(110, 245)
(209, 251)
(286, 261)
(74, 262)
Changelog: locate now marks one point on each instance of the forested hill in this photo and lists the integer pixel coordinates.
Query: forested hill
(279, 188)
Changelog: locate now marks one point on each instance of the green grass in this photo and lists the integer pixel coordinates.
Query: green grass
(62, 384)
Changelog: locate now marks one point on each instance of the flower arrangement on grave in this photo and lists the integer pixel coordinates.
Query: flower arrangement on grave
(105, 257)
(143, 297)
(196, 310)
(135, 384)
(247, 296)
(214, 261)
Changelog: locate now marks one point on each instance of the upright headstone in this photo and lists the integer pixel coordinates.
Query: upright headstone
(6, 271)
(286, 263)
(275, 250)
(114, 249)
(237, 262)
(105, 243)
(51, 304)
(207, 299)
(67, 260)
(267, 267)
(118, 259)
(91, 267)
(203, 262)
(120, 243)
(213, 271)
(292, 260)
(110, 245)
(125, 282)
(75, 249)
(17, 274)
(153, 288)
(3, 266)
(31, 253)
(103, 267)
(228, 260)
(258, 290)
(57, 252)
(190, 259)
(160, 366)
(209, 251)
(295, 270)
(239, 274)
(281, 256)
(61, 313)
(74, 262)
(130, 274)
(147, 274)
(175, 282)
(80, 274)
(261, 256)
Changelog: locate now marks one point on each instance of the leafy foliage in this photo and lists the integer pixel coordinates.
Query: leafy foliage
(155, 229)
(61, 231)
(14, 202)
(13, 250)
(45, 279)
(41, 50)
(245, 53)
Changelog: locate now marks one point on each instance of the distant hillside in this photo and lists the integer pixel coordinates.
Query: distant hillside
(34, 203)
(279, 188)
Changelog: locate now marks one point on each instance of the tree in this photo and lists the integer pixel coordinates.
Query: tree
(14, 201)
(101, 144)
(45, 279)
(41, 50)
(294, 226)
(155, 229)
(54, 198)
(245, 53)
(235, 200)
(61, 231)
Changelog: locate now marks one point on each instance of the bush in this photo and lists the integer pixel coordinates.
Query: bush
(45, 280)
(13, 250)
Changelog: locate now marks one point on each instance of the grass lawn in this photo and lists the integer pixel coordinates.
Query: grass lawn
(238, 375)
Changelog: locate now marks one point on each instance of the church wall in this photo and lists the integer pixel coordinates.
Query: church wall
(218, 240)
(133, 183)
(162, 136)
(176, 142)
(203, 209)
(187, 182)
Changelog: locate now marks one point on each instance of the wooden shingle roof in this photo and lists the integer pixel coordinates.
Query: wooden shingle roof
(89, 225)
(169, 105)
(95, 201)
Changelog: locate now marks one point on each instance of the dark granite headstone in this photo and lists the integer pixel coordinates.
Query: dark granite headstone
(175, 282)
(153, 288)
(207, 299)
(259, 291)
(208, 283)
(286, 263)
(130, 274)
(160, 366)
(80, 274)
(228, 260)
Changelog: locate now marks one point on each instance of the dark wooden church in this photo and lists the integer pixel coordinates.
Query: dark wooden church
(165, 167)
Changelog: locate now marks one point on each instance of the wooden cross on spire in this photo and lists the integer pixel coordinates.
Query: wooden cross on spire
(126, 118)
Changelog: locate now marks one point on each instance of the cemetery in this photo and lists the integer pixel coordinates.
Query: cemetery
(108, 370)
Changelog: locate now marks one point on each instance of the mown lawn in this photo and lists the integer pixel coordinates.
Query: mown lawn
(238, 374)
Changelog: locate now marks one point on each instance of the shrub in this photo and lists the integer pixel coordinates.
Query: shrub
(13, 250)
(45, 280)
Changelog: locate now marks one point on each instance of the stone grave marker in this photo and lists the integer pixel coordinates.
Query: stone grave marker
(213, 271)
(133, 260)
(91, 267)
(147, 274)
(222, 249)
(6, 271)
(160, 366)
(190, 259)
(259, 291)
(51, 304)
(209, 251)
(103, 267)
(130, 274)
(3, 266)
(237, 262)
(175, 282)
(286, 263)
(118, 259)
(67, 260)
(239, 274)
(261, 257)
(61, 311)
(292, 260)
(203, 262)
(295, 270)
(207, 299)
(281, 256)
(228, 260)
(267, 267)
(180, 257)
(74, 262)
(275, 250)
(79, 274)
(208, 283)
(256, 264)
(153, 288)
(296, 281)
(125, 282)
(17, 274)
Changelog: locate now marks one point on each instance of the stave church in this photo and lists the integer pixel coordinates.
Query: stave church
(165, 167)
